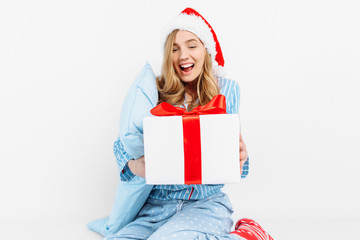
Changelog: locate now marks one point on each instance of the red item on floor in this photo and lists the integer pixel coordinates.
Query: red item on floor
(250, 230)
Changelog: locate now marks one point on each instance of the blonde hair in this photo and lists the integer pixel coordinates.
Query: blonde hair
(172, 90)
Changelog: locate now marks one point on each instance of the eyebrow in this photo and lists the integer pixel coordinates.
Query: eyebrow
(187, 41)
(191, 40)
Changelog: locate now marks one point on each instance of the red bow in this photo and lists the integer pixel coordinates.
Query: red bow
(191, 132)
(217, 105)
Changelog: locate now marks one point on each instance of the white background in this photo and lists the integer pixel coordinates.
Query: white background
(65, 67)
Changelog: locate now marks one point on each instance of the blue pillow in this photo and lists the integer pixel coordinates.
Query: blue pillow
(131, 196)
(141, 98)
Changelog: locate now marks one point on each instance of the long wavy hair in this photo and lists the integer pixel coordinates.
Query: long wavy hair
(172, 90)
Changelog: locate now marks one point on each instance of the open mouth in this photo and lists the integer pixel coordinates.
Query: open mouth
(186, 67)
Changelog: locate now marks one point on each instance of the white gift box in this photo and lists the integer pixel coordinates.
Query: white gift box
(164, 149)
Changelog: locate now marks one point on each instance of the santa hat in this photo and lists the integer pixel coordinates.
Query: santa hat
(190, 20)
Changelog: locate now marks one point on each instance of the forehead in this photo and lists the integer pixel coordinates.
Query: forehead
(183, 36)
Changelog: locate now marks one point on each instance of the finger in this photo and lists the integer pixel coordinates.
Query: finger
(243, 153)
(241, 166)
(242, 146)
(243, 156)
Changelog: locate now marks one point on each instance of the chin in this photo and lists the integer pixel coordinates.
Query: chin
(188, 79)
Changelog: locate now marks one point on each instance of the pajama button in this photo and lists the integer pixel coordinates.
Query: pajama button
(187, 191)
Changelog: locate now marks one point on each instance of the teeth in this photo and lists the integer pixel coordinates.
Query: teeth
(187, 65)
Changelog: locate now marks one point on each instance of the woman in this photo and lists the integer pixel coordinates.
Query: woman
(190, 78)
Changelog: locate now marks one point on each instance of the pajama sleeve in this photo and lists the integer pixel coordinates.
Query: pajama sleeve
(122, 159)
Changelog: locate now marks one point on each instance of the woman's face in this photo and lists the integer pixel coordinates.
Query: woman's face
(188, 55)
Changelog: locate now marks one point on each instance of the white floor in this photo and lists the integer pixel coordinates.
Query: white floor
(280, 229)
(312, 229)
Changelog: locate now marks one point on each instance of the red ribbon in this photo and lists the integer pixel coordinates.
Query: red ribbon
(191, 132)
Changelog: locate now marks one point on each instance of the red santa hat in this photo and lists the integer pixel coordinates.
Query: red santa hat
(190, 20)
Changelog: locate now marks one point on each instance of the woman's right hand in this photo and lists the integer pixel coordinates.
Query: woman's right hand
(137, 166)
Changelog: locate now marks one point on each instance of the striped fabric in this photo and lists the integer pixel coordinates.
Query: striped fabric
(230, 89)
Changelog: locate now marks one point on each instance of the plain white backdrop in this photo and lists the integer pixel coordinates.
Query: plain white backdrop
(65, 67)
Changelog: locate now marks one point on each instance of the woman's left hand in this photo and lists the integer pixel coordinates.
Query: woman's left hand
(243, 154)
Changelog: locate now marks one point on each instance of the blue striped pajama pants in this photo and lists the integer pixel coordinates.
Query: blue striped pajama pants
(204, 219)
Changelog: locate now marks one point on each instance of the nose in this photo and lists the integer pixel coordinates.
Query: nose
(184, 55)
